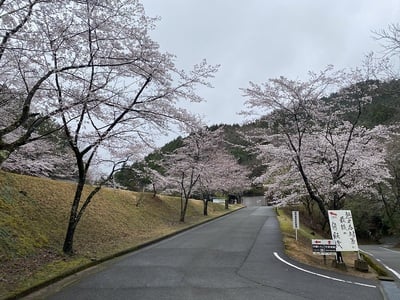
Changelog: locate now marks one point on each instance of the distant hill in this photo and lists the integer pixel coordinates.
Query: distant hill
(385, 106)
(384, 109)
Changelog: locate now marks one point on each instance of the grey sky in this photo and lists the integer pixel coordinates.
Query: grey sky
(255, 40)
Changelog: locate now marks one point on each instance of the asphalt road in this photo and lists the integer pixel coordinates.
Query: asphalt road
(390, 258)
(386, 255)
(239, 256)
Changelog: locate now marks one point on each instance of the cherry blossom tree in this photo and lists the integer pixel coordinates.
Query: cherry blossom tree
(42, 158)
(45, 154)
(389, 196)
(223, 174)
(203, 166)
(184, 166)
(27, 73)
(158, 181)
(311, 148)
(92, 66)
(129, 95)
(390, 39)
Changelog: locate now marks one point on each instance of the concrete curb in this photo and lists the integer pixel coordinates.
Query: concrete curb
(108, 258)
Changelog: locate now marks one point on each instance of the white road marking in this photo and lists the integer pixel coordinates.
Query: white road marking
(389, 250)
(321, 275)
(397, 274)
(393, 271)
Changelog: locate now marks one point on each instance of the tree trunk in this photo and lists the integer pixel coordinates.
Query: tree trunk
(205, 208)
(310, 191)
(77, 212)
(69, 238)
(183, 209)
(73, 218)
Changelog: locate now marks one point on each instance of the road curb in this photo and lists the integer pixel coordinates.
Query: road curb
(101, 260)
(387, 286)
(378, 267)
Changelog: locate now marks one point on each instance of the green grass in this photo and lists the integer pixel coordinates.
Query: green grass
(33, 220)
(379, 269)
(286, 225)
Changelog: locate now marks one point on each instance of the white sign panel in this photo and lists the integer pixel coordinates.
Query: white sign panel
(342, 229)
(323, 247)
(295, 219)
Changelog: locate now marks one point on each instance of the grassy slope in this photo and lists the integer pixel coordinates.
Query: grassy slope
(33, 218)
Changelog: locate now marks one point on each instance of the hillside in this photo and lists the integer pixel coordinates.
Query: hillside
(384, 109)
(33, 219)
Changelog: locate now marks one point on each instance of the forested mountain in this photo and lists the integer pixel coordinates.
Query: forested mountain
(384, 109)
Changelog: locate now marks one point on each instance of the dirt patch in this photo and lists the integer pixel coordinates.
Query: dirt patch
(13, 271)
(303, 253)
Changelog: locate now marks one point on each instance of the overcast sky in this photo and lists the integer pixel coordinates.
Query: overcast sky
(255, 40)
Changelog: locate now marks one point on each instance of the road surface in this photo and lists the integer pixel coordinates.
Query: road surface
(389, 257)
(239, 256)
(386, 255)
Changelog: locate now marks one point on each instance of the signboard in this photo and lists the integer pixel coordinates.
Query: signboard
(295, 219)
(323, 247)
(342, 229)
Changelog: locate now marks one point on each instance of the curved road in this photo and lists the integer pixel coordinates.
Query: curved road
(386, 255)
(389, 257)
(239, 256)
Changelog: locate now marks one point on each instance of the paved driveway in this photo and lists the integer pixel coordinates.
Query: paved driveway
(239, 256)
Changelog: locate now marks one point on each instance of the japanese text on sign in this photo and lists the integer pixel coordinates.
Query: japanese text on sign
(342, 229)
(295, 220)
(323, 247)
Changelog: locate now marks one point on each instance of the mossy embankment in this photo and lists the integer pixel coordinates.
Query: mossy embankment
(33, 220)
